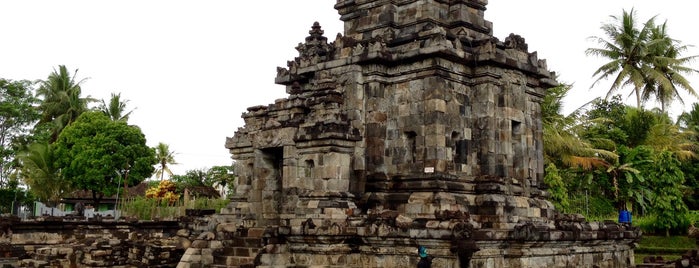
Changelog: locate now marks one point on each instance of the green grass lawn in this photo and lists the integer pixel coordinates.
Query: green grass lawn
(670, 248)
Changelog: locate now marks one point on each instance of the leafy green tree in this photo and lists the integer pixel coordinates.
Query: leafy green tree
(94, 152)
(12, 197)
(667, 179)
(557, 188)
(216, 175)
(635, 135)
(626, 47)
(690, 169)
(614, 124)
(41, 174)
(688, 123)
(224, 176)
(17, 114)
(165, 158)
(602, 125)
(636, 124)
(116, 108)
(191, 178)
(647, 173)
(630, 186)
(61, 100)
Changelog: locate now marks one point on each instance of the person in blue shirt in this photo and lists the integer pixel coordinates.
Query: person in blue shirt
(425, 259)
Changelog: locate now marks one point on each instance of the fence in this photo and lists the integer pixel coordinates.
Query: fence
(42, 210)
(589, 205)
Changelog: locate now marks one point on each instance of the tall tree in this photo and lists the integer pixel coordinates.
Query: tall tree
(215, 176)
(626, 47)
(192, 178)
(689, 120)
(41, 174)
(669, 69)
(116, 108)
(223, 176)
(637, 125)
(17, 114)
(165, 158)
(612, 125)
(557, 188)
(628, 183)
(95, 153)
(61, 102)
(562, 143)
(664, 135)
(667, 179)
(13, 196)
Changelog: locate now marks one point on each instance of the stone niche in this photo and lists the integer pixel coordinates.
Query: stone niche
(416, 127)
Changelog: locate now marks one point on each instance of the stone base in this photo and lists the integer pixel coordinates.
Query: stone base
(579, 254)
(587, 254)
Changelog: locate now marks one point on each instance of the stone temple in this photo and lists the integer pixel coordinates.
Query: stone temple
(416, 127)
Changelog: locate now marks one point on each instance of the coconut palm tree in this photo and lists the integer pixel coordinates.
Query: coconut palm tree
(61, 100)
(689, 121)
(165, 159)
(562, 144)
(116, 108)
(669, 68)
(626, 46)
(40, 174)
(665, 135)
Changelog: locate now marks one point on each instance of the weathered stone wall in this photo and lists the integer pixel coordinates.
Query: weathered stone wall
(65, 242)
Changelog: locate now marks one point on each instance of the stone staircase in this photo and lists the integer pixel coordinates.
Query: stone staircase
(228, 247)
(238, 252)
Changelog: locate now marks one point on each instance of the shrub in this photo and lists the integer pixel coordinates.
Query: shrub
(208, 203)
(557, 188)
(650, 224)
(164, 191)
(150, 208)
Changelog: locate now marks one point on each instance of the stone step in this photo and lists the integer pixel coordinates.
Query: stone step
(653, 265)
(9, 262)
(33, 263)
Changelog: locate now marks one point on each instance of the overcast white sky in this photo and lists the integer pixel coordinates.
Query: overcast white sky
(191, 68)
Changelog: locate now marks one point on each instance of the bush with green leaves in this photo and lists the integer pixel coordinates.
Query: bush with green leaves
(655, 225)
(667, 204)
(557, 188)
(144, 208)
